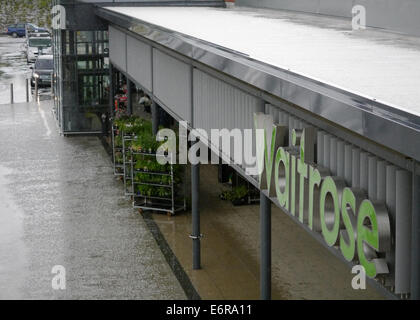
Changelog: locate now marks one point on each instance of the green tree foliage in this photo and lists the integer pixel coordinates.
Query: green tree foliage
(31, 11)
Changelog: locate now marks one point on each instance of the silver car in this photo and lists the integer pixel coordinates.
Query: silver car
(37, 46)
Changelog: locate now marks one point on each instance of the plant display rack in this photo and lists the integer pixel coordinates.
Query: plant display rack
(157, 190)
(127, 167)
(117, 151)
(150, 185)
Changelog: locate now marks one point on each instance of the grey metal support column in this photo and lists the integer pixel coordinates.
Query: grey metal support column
(155, 118)
(415, 237)
(111, 90)
(196, 234)
(129, 97)
(265, 239)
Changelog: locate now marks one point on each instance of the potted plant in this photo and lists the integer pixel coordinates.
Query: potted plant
(238, 195)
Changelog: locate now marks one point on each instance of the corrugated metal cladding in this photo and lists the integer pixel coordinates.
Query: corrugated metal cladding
(172, 83)
(139, 58)
(380, 180)
(117, 48)
(218, 105)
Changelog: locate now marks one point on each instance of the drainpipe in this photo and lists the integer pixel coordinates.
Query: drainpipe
(129, 97)
(111, 90)
(265, 234)
(196, 235)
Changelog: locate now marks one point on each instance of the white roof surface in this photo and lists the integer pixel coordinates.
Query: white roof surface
(374, 64)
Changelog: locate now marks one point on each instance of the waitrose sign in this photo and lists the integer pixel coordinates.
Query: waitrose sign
(346, 218)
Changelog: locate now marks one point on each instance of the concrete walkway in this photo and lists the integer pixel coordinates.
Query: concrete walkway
(61, 205)
(301, 267)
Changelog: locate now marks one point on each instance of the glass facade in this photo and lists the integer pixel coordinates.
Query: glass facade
(81, 79)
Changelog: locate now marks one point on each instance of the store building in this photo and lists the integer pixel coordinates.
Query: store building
(81, 70)
(217, 68)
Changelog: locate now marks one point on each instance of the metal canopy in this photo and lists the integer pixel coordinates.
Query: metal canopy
(388, 124)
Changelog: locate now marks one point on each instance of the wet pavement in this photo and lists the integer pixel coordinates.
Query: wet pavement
(301, 267)
(61, 205)
(13, 69)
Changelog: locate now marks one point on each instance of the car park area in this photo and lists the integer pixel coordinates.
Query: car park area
(14, 69)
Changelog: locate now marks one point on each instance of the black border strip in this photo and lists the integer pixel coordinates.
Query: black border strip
(170, 257)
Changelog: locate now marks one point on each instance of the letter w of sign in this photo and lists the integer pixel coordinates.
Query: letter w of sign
(269, 138)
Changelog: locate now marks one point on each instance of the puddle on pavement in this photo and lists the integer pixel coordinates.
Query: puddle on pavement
(12, 248)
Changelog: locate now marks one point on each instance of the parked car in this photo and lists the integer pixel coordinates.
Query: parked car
(37, 46)
(19, 29)
(42, 71)
(30, 27)
(16, 30)
(30, 34)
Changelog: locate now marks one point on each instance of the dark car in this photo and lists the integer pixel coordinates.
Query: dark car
(42, 71)
(19, 29)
